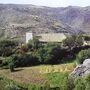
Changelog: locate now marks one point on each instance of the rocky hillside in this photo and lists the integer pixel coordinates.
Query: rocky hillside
(82, 70)
(15, 20)
(76, 17)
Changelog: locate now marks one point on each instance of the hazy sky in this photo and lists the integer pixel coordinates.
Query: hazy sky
(51, 3)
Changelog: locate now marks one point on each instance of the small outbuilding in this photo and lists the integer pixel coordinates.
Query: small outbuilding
(29, 36)
(52, 37)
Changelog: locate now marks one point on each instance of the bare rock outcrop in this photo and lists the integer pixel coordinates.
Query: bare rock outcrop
(82, 70)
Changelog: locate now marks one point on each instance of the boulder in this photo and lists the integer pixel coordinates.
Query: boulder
(87, 62)
(82, 69)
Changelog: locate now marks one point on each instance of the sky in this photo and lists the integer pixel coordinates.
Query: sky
(50, 3)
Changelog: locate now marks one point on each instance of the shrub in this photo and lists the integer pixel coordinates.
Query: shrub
(24, 60)
(6, 62)
(84, 54)
(23, 49)
(59, 80)
(79, 84)
(87, 82)
(50, 54)
(12, 86)
(35, 44)
(82, 83)
(7, 47)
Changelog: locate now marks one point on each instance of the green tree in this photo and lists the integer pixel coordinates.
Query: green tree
(35, 44)
(50, 54)
(73, 41)
(7, 47)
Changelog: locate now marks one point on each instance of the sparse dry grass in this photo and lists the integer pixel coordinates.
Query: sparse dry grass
(57, 68)
(35, 74)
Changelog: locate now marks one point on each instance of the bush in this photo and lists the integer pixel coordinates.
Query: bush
(47, 54)
(22, 49)
(35, 44)
(82, 83)
(24, 60)
(84, 54)
(87, 82)
(59, 80)
(12, 86)
(6, 62)
(79, 84)
(7, 47)
(7, 84)
(50, 54)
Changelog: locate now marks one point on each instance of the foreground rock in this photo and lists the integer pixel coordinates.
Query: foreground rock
(82, 70)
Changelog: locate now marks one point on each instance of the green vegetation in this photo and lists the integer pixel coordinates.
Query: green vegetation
(43, 77)
(82, 83)
(7, 47)
(56, 81)
(31, 54)
(36, 53)
(84, 54)
(73, 41)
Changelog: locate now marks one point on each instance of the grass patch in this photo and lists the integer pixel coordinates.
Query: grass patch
(55, 75)
(57, 79)
(69, 67)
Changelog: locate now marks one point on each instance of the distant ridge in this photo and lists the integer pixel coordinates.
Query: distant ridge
(17, 19)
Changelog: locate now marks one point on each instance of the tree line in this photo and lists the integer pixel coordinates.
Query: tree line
(36, 53)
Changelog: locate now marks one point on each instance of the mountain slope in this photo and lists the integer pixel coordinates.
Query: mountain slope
(16, 20)
(76, 17)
